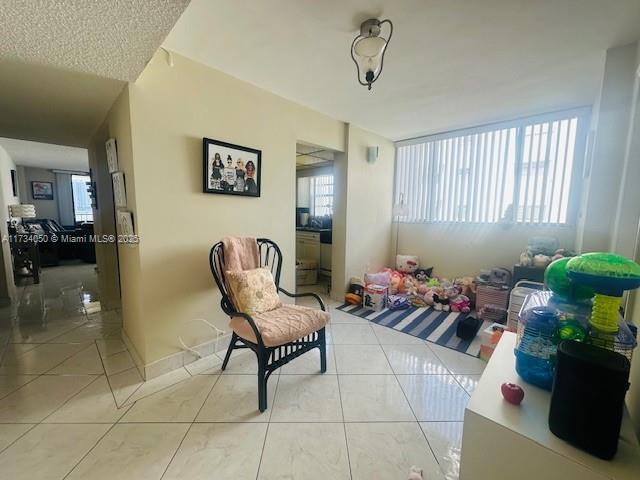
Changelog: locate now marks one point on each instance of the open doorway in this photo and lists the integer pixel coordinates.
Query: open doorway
(315, 202)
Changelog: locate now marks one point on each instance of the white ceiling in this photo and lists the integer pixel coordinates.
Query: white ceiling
(451, 63)
(108, 38)
(46, 155)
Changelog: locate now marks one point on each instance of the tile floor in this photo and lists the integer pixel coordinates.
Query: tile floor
(72, 405)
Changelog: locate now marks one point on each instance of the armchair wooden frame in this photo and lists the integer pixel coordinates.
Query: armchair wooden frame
(269, 358)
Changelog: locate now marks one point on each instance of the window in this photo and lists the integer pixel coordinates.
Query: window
(81, 201)
(524, 171)
(321, 195)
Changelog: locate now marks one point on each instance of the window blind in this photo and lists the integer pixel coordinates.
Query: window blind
(524, 171)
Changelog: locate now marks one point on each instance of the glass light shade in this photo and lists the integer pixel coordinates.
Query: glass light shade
(370, 46)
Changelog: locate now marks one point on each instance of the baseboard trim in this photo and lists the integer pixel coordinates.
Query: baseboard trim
(176, 360)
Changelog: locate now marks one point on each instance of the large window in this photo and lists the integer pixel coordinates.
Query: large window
(322, 195)
(81, 201)
(524, 171)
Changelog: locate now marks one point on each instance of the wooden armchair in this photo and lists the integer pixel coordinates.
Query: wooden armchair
(278, 336)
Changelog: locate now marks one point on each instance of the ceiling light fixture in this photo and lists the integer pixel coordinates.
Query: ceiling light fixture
(369, 48)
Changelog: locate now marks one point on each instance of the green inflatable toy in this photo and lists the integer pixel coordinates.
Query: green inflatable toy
(557, 279)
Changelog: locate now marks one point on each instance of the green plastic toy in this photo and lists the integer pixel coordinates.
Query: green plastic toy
(557, 280)
(609, 275)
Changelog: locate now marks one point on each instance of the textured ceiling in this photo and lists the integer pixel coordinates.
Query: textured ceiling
(46, 155)
(451, 63)
(109, 38)
(50, 105)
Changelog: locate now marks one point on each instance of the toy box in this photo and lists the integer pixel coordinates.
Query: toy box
(375, 297)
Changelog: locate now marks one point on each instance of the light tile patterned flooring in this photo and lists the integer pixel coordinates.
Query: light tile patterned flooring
(72, 405)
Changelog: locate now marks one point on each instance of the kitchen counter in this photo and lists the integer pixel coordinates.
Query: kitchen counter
(312, 229)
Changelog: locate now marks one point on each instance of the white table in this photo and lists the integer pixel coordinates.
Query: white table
(504, 441)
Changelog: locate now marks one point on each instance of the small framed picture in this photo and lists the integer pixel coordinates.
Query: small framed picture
(42, 190)
(112, 155)
(14, 183)
(125, 223)
(231, 169)
(119, 190)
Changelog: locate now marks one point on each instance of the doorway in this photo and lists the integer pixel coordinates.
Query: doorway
(315, 203)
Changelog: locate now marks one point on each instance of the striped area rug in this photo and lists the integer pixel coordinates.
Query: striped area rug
(425, 323)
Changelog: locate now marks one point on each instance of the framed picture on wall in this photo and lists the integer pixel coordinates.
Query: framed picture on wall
(112, 155)
(231, 169)
(14, 183)
(119, 190)
(42, 190)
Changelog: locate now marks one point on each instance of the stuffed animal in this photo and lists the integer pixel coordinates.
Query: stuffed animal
(526, 259)
(407, 263)
(396, 284)
(379, 278)
(428, 295)
(561, 253)
(415, 473)
(466, 285)
(541, 261)
(410, 286)
(460, 303)
(423, 274)
(441, 300)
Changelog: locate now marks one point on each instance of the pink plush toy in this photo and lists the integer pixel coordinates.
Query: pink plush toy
(460, 303)
(397, 283)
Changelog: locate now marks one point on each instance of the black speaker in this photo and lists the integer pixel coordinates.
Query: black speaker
(587, 399)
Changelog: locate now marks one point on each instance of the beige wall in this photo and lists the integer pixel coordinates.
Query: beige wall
(117, 124)
(369, 203)
(457, 250)
(172, 109)
(7, 284)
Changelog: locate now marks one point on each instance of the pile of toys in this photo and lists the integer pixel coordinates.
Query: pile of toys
(410, 285)
(541, 251)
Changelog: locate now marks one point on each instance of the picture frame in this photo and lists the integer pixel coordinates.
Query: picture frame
(14, 183)
(119, 190)
(125, 223)
(112, 155)
(42, 190)
(230, 169)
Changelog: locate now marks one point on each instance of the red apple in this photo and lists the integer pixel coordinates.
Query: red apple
(512, 393)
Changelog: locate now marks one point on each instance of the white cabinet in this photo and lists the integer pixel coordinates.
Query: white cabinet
(308, 246)
(501, 440)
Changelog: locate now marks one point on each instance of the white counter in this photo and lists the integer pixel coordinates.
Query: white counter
(504, 441)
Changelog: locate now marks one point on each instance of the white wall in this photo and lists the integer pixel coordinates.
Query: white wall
(7, 284)
(458, 250)
(610, 129)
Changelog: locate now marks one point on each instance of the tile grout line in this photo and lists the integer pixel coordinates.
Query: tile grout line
(70, 398)
(34, 425)
(266, 433)
(344, 424)
(89, 451)
(433, 453)
(193, 422)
